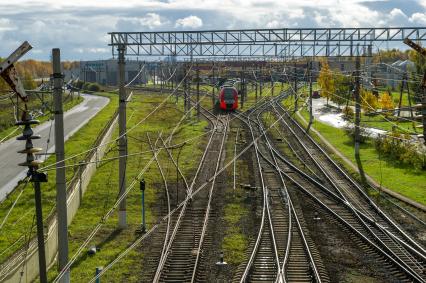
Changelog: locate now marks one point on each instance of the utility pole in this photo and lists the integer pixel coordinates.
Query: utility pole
(295, 88)
(357, 105)
(260, 81)
(401, 91)
(242, 85)
(61, 189)
(122, 141)
(188, 102)
(161, 78)
(9, 74)
(185, 87)
(422, 107)
(155, 72)
(198, 92)
(357, 137)
(214, 87)
(36, 178)
(256, 90)
(311, 116)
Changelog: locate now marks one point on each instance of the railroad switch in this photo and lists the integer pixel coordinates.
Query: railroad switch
(248, 187)
(93, 250)
(221, 262)
(316, 216)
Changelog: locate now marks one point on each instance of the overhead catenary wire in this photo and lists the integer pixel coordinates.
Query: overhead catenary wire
(188, 198)
(127, 131)
(109, 213)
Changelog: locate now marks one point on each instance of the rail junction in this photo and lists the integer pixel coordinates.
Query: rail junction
(302, 207)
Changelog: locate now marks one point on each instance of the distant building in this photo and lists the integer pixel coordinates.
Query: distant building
(105, 72)
(391, 75)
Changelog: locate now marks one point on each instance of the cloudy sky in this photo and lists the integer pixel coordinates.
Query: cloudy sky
(79, 27)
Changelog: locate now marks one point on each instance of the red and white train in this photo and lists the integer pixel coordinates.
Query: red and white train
(228, 98)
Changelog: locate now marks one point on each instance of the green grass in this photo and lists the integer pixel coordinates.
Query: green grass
(7, 116)
(387, 123)
(103, 188)
(235, 241)
(19, 223)
(390, 173)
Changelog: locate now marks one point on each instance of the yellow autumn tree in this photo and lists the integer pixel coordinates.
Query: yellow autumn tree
(326, 80)
(368, 101)
(386, 103)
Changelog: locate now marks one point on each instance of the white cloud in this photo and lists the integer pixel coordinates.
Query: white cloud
(5, 24)
(273, 24)
(321, 19)
(151, 20)
(189, 22)
(69, 24)
(396, 13)
(418, 18)
(98, 50)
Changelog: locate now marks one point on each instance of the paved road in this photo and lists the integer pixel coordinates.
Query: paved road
(74, 119)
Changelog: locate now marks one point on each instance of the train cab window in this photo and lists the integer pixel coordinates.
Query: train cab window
(228, 94)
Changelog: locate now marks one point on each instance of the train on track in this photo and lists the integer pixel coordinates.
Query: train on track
(228, 98)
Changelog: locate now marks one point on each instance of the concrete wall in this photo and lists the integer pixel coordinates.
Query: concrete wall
(23, 266)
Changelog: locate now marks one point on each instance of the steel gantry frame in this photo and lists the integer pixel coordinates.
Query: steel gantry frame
(285, 42)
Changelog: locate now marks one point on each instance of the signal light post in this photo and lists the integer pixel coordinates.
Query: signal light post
(142, 188)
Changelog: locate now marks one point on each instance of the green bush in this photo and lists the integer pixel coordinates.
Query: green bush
(401, 149)
(94, 87)
(348, 113)
(78, 84)
(86, 86)
(364, 134)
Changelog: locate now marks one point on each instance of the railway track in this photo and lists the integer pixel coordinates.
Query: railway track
(367, 229)
(183, 255)
(393, 237)
(283, 250)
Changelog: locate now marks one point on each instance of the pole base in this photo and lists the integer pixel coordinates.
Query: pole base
(65, 278)
(141, 230)
(122, 223)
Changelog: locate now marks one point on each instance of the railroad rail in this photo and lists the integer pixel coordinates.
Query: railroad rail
(181, 259)
(388, 245)
(291, 258)
(345, 186)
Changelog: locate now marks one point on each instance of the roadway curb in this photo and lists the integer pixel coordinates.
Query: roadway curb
(354, 167)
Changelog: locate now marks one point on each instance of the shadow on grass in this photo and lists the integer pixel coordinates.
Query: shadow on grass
(114, 234)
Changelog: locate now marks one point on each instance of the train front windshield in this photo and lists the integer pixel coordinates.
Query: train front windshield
(228, 95)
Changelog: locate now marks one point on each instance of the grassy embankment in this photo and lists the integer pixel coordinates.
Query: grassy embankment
(7, 119)
(390, 173)
(19, 225)
(103, 189)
